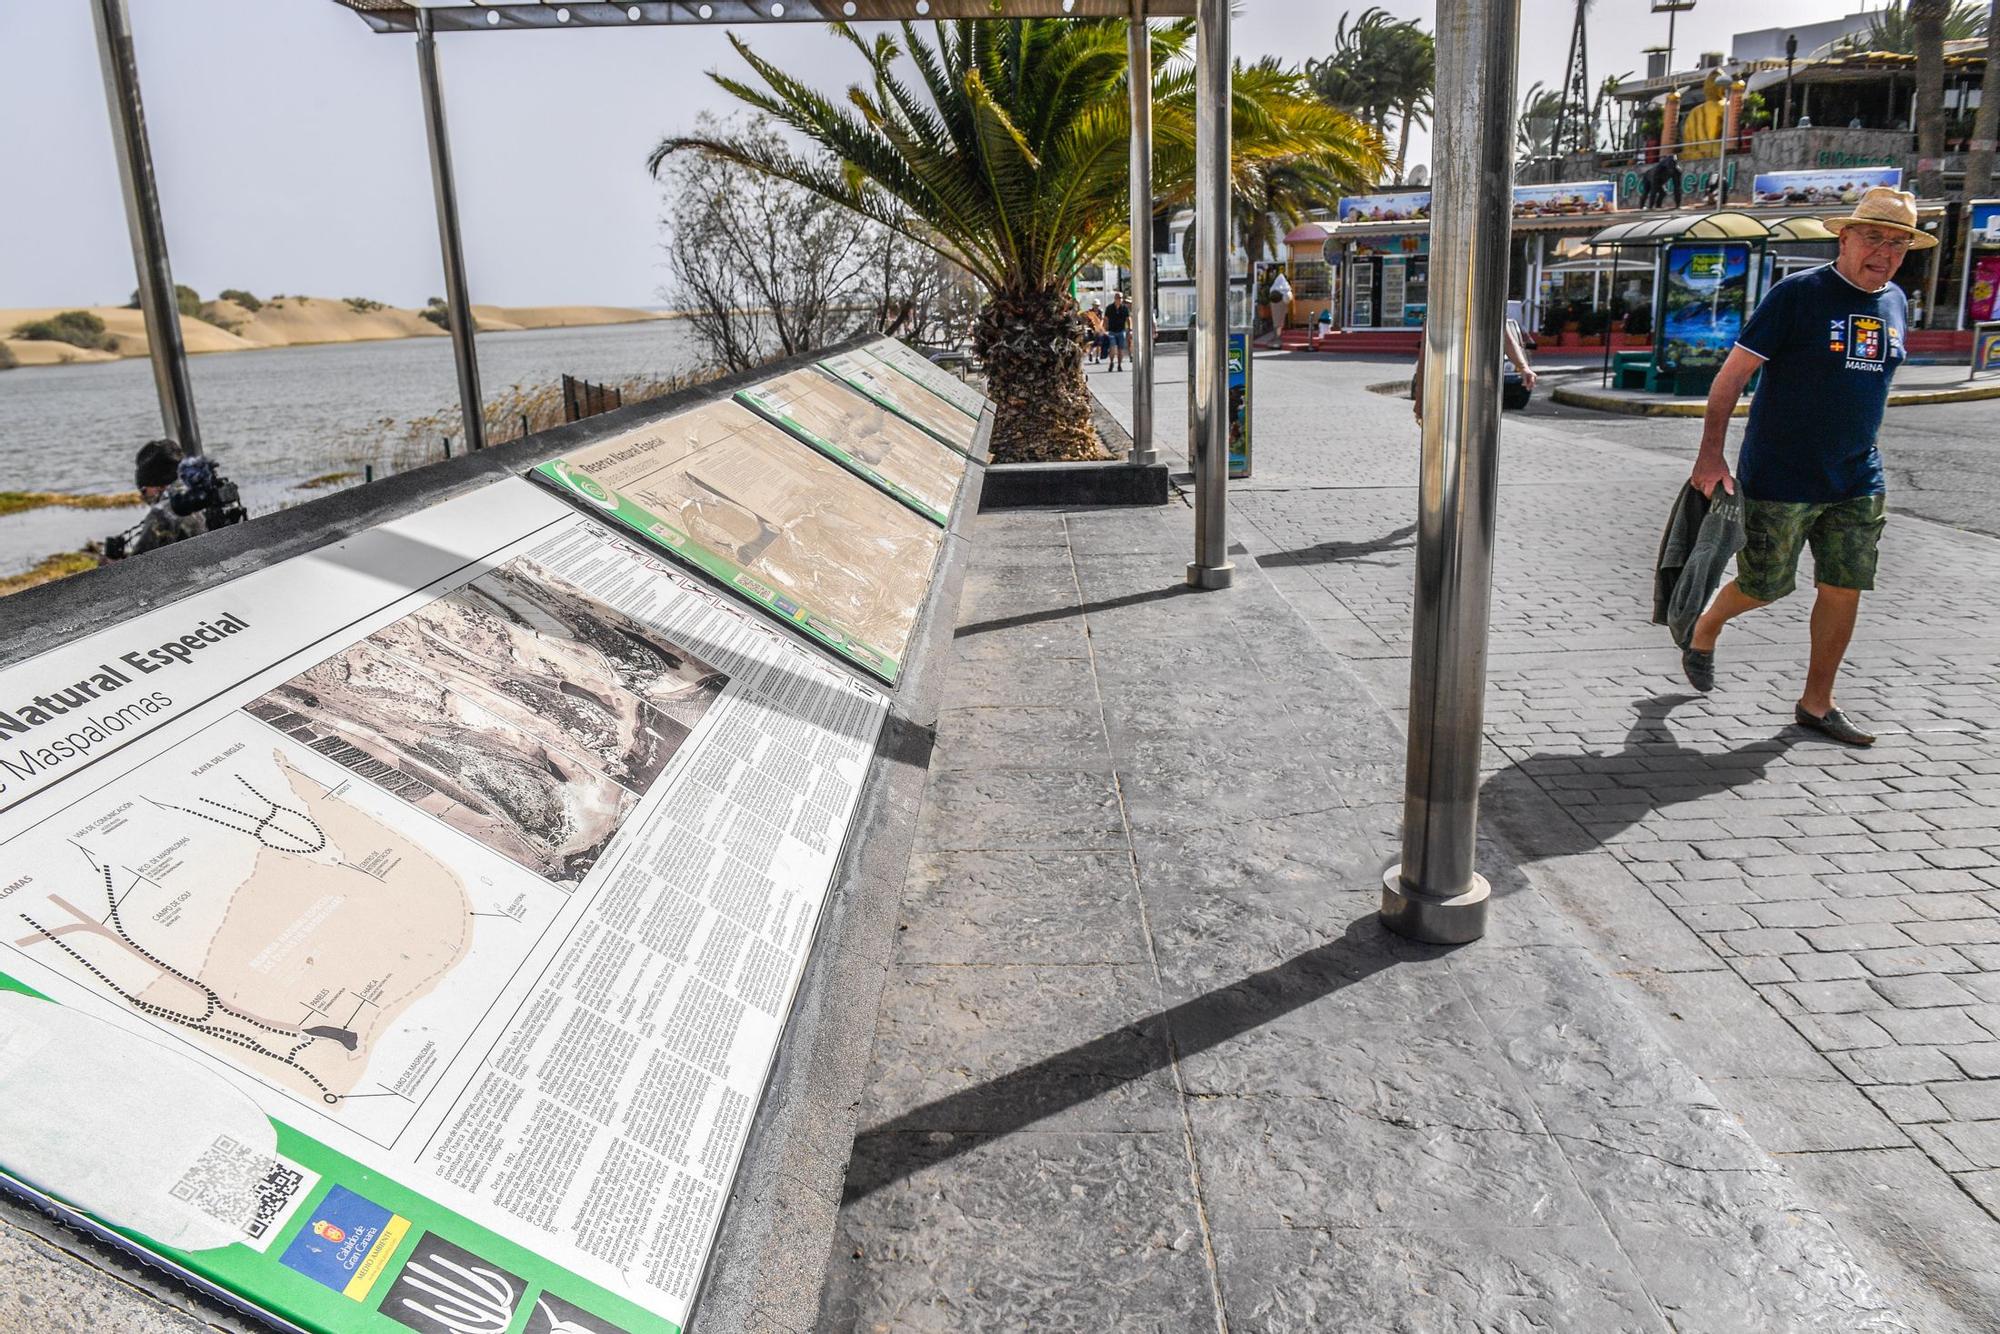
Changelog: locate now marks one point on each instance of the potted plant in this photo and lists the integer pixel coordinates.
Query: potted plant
(1591, 326)
(1638, 327)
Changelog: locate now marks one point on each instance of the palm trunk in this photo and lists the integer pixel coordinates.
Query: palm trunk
(1985, 126)
(1032, 344)
(1402, 144)
(1927, 20)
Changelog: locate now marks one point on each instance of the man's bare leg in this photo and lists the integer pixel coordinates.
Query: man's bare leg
(1730, 603)
(1833, 615)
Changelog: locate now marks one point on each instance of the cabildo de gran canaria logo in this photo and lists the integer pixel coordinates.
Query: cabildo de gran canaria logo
(586, 487)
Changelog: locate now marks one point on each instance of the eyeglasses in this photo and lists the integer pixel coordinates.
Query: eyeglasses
(1875, 240)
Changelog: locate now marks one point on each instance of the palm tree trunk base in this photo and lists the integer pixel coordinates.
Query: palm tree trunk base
(1032, 345)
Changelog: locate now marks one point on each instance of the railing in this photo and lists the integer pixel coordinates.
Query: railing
(583, 399)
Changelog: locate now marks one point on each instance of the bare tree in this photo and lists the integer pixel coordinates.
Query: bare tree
(762, 268)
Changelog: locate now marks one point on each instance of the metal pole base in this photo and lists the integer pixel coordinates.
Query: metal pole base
(1143, 458)
(1458, 920)
(1211, 576)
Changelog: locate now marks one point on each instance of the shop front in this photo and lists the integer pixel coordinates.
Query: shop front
(1379, 248)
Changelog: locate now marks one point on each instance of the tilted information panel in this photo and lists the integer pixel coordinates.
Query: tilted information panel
(864, 437)
(906, 398)
(929, 374)
(399, 937)
(783, 527)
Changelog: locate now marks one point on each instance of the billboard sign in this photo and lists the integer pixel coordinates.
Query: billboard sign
(1704, 301)
(1821, 189)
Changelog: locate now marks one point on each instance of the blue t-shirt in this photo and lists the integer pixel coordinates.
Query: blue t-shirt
(1830, 350)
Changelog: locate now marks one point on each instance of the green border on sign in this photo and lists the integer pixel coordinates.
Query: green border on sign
(676, 542)
(903, 369)
(877, 399)
(263, 1280)
(778, 417)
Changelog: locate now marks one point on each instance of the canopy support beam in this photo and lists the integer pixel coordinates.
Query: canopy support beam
(1139, 51)
(1434, 894)
(1208, 358)
(458, 300)
(157, 300)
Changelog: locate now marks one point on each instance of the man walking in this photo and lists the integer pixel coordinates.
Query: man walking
(1117, 318)
(1828, 342)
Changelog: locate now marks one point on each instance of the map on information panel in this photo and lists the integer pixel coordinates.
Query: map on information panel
(928, 374)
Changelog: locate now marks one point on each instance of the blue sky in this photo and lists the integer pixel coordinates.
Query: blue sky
(289, 139)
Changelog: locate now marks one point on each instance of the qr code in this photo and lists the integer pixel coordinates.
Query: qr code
(243, 1187)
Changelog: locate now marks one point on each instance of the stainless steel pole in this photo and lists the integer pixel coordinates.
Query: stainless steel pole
(458, 302)
(1434, 894)
(1208, 358)
(142, 219)
(1139, 48)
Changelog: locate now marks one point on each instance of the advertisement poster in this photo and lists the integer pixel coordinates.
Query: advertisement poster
(864, 437)
(1397, 206)
(904, 397)
(1843, 185)
(783, 527)
(1706, 300)
(399, 937)
(928, 374)
(1986, 349)
(1982, 260)
(1239, 404)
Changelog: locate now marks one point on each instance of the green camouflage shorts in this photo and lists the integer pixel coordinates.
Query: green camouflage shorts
(1843, 535)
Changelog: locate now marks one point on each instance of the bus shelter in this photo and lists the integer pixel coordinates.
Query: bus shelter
(1709, 271)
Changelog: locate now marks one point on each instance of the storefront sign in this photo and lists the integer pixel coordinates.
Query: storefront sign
(1829, 157)
(1571, 198)
(1696, 184)
(1704, 303)
(1821, 188)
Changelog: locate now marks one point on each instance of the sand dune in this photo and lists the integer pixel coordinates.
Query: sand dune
(291, 322)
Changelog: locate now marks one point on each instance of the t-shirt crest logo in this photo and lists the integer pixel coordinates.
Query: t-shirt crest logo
(1864, 338)
(1836, 336)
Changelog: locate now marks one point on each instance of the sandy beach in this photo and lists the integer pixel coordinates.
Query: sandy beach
(291, 322)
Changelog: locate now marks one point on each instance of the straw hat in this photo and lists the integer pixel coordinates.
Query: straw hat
(1886, 206)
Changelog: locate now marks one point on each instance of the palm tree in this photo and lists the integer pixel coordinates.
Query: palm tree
(1380, 66)
(1535, 131)
(1927, 20)
(1979, 163)
(1893, 27)
(1008, 156)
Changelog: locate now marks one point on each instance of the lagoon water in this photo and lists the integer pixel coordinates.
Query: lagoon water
(272, 418)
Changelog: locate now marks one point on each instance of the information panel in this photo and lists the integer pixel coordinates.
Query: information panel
(864, 437)
(928, 374)
(399, 937)
(785, 528)
(904, 397)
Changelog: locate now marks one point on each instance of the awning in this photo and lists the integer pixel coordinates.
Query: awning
(1728, 225)
(1305, 234)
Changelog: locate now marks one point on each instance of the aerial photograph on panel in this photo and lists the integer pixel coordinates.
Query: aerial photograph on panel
(855, 430)
(516, 709)
(928, 374)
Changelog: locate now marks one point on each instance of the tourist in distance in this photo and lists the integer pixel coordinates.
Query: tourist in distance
(1279, 298)
(1093, 350)
(1828, 342)
(1117, 323)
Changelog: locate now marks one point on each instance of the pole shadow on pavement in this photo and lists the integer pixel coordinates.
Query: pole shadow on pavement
(1338, 553)
(941, 1130)
(1068, 610)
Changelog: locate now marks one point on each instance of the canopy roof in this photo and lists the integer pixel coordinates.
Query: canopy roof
(1726, 225)
(472, 16)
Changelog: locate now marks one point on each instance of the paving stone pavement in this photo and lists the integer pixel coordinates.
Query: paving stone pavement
(1147, 1062)
(1818, 928)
